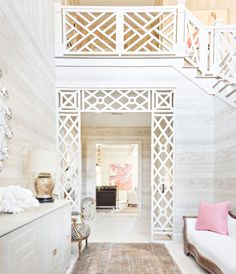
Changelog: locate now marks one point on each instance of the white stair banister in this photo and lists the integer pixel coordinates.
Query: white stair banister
(217, 24)
(181, 45)
(203, 50)
(211, 45)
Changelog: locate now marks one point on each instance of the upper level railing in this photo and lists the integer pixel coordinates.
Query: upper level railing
(147, 31)
(119, 31)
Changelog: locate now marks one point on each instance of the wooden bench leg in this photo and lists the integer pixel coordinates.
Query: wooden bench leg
(86, 242)
(186, 250)
(80, 248)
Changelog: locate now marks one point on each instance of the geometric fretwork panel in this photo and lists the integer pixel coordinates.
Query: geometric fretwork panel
(68, 146)
(146, 32)
(160, 102)
(163, 100)
(192, 35)
(68, 100)
(90, 32)
(112, 100)
(162, 175)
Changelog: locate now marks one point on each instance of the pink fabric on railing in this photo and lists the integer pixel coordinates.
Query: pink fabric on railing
(189, 42)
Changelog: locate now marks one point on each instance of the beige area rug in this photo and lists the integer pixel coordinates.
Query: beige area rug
(127, 258)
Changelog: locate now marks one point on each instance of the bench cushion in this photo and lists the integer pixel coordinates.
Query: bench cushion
(232, 227)
(218, 248)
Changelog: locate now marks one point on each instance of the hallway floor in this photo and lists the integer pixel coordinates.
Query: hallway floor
(122, 212)
(134, 229)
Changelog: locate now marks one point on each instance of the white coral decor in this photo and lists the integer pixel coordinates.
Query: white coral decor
(14, 199)
(3, 153)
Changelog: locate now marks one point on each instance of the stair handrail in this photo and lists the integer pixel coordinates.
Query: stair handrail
(199, 40)
(226, 51)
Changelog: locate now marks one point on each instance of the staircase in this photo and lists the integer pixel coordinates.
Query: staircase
(213, 85)
(209, 53)
(210, 58)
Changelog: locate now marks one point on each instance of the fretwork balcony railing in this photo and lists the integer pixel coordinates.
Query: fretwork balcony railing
(147, 31)
(119, 31)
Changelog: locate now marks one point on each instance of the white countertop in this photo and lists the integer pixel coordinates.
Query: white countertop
(11, 222)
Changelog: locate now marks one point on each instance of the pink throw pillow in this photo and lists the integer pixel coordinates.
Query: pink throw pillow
(213, 217)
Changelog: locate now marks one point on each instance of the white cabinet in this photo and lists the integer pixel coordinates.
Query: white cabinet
(41, 246)
(132, 198)
(58, 248)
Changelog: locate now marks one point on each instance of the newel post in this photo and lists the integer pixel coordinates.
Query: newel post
(58, 30)
(218, 23)
(181, 45)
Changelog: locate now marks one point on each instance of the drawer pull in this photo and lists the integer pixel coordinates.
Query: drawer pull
(54, 252)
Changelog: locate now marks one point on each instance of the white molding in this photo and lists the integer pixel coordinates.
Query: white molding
(144, 61)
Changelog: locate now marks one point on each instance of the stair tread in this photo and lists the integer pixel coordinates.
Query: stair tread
(190, 67)
(205, 76)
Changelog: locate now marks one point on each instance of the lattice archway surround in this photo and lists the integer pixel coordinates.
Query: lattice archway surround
(160, 102)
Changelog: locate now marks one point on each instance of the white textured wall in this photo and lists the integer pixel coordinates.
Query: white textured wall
(225, 153)
(26, 58)
(194, 155)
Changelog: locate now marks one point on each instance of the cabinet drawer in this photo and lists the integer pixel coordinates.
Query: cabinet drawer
(24, 249)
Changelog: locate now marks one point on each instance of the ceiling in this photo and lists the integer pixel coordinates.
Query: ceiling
(116, 119)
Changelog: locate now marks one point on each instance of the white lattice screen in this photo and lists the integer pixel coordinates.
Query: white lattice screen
(88, 32)
(160, 102)
(68, 145)
(110, 100)
(149, 31)
(119, 31)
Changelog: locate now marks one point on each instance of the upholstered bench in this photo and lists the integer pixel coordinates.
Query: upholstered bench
(213, 251)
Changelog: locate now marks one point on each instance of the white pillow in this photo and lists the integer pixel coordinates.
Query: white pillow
(232, 227)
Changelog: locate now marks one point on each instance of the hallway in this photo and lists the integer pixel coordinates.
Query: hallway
(133, 229)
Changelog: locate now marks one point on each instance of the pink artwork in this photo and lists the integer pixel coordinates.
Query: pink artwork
(121, 176)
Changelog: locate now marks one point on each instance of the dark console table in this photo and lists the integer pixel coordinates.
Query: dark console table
(106, 197)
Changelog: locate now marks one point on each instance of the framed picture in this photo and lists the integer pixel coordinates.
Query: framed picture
(121, 176)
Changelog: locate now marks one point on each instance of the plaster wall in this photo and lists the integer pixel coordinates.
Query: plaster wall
(27, 62)
(225, 153)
